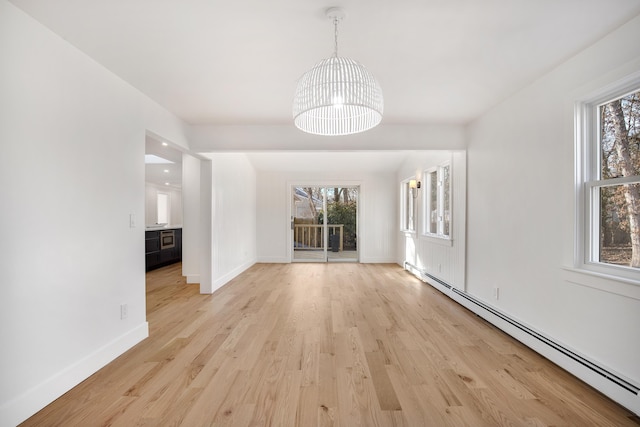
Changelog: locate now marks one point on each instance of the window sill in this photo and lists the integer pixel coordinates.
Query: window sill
(601, 281)
(438, 240)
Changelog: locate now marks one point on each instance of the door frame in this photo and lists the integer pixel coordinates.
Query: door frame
(291, 184)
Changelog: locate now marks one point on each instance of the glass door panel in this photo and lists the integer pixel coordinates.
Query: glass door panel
(324, 223)
(307, 228)
(342, 223)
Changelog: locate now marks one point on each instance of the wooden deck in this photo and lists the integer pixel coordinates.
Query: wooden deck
(318, 255)
(342, 344)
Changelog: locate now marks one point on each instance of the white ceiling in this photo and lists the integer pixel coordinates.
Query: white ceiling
(328, 161)
(165, 175)
(237, 62)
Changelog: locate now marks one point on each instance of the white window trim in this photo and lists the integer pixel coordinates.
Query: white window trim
(586, 126)
(438, 235)
(405, 193)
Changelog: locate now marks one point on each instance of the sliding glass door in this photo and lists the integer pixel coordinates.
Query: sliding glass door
(342, 223)
(324, 223)
(307, 226)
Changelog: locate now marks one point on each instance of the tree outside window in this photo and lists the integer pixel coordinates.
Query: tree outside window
(615, 196)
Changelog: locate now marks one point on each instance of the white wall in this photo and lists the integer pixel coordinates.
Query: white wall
(68, 256)
(191, 218)
(378, 217)
(444, 259)
(205, 259)
(288, 138)
(233, 219)
(63, 282)
(151, 204)
(521, 212)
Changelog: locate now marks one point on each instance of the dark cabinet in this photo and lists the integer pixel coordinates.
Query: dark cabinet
(155, 256)
(178, 248)
(152, 242)
(152, 260)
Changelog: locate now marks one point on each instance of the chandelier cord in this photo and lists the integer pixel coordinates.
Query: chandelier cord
(335, 35)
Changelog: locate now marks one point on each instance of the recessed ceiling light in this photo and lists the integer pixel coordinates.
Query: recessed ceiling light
(164, 144)
(166, 183)
(166, 171)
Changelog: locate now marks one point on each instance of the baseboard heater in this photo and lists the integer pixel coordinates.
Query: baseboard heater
(621, 382)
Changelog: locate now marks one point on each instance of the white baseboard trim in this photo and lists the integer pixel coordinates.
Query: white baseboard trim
(363, 260)
(620, 389)
(25, 405)
(273, 260)
(193, 278)
(599, 381)
(220, 282)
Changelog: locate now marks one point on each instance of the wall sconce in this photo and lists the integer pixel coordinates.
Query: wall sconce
(414, 185)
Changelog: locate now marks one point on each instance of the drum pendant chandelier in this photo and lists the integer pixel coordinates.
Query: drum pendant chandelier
(338, 96)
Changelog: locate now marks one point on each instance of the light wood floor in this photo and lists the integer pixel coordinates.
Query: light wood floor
(324, 344)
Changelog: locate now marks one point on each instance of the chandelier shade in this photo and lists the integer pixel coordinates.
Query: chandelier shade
(338, 96)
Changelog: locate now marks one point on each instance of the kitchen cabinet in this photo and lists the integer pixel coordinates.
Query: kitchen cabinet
(155, 255)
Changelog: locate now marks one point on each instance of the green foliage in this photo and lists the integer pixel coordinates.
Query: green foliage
(343, 213)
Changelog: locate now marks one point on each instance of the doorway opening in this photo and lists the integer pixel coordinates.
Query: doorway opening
(324, 223)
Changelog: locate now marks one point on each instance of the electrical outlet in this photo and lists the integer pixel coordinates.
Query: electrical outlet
(496, 292)
(124, 311)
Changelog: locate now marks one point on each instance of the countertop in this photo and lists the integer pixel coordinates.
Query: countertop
(162, 227)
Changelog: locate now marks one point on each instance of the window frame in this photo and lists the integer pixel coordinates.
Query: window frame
(441, 209)
(589, 182)
(407, 198)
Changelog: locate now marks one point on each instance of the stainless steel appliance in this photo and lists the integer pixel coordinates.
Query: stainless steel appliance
(167, 239)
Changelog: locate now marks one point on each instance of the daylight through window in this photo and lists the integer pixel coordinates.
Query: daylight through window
(613, 186)
(408, 207)
(163, 208)
(437, 218)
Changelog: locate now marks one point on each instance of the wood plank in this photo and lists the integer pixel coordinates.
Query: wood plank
(384, 389)
(326, 345)
(327, 391)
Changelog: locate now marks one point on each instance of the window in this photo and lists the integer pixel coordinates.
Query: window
(408, 216)
(610, 213)
(163, 208)
(437, 202)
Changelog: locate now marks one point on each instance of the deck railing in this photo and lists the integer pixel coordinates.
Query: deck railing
(311, 236)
